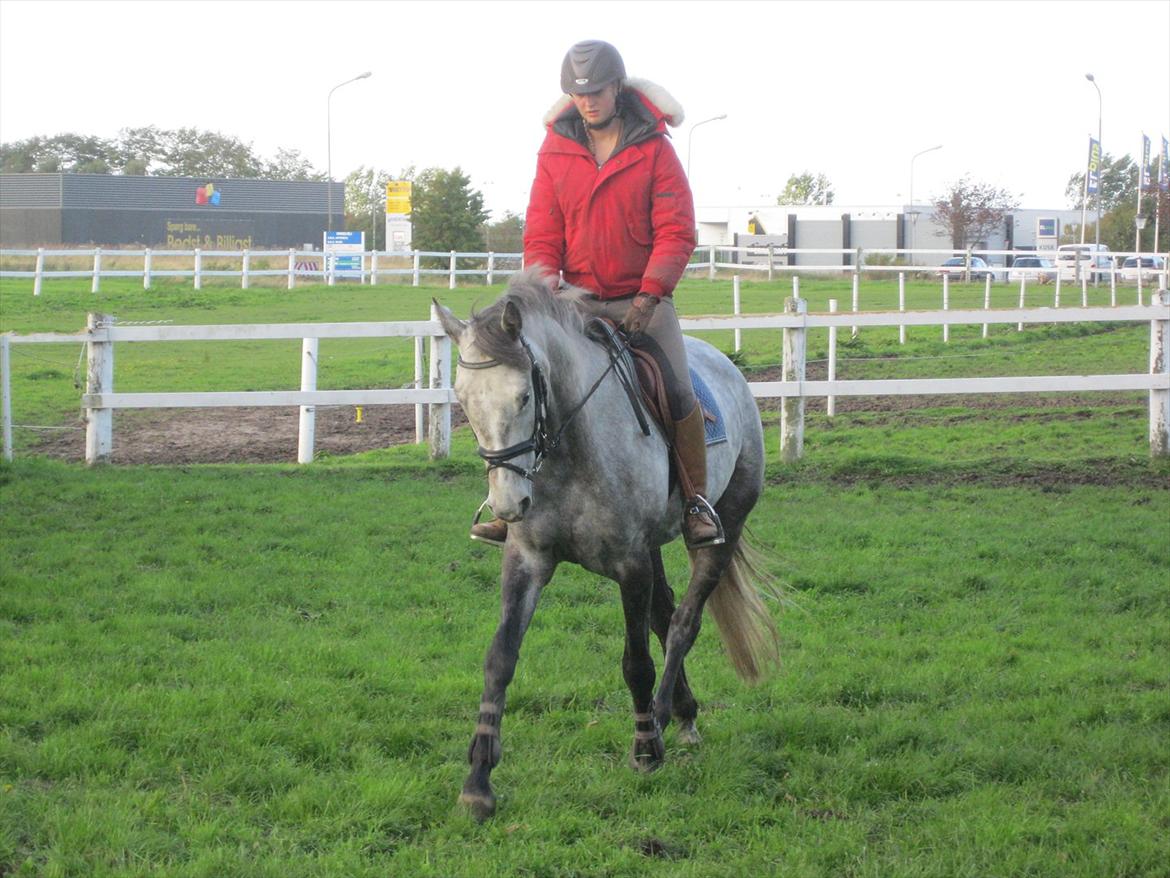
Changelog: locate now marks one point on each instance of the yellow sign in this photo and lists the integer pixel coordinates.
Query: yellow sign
(398, 196)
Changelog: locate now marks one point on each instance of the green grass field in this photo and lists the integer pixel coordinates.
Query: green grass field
(274, 670)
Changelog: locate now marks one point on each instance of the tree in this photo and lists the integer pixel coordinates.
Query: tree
(1118, 184)
(69, 153)
(365, 202)
(970, 211)
(289, 164)
(505, 235)
(447, 214)
(807, 189)
(189, 152)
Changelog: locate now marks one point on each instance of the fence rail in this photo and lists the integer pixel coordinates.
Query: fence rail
(102, 332)
(298, 264)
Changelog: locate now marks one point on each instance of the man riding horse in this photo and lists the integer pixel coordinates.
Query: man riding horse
(611, 210)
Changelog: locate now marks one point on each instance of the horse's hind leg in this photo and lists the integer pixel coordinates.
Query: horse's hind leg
(684, 707)
(522, 578)
(637, 587)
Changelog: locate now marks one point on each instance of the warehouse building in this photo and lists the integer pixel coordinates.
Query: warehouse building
(181, 213)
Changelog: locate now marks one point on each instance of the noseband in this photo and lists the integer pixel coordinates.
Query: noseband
(542, 443)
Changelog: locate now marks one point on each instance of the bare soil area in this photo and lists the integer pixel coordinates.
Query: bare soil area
(269, 435)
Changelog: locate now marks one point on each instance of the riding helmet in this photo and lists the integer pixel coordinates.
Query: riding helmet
(590, 66)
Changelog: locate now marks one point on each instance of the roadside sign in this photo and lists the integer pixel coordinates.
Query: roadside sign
(344, 251)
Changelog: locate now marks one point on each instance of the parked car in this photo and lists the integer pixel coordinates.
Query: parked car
(956, 267)
(1036, 268)
(1093, 262)
(1151, 267)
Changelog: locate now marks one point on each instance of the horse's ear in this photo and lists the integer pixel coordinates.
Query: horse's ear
(510, 319)
(452, 325)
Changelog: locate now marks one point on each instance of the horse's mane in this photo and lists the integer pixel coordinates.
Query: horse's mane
(529, 292)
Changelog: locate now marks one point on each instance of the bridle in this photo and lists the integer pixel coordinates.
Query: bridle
(543, 442)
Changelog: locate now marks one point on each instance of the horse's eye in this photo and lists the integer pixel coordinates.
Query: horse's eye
(524, 399)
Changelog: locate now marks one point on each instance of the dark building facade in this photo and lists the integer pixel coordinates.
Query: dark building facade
(179, 213)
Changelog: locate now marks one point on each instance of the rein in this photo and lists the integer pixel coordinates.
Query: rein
(542, 442)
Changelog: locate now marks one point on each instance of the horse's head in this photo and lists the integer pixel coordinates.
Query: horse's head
(502, 393)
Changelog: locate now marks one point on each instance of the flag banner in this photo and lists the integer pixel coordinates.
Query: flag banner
(1163, 171)
(1093, 177)
(1145, 163)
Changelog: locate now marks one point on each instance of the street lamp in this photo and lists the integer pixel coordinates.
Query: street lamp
(913, 212)
(692, 134)
(329, 146)
(1100, 161)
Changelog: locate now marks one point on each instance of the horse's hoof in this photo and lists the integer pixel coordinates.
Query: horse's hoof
(480, 806)
(688, 735)
(648, 756)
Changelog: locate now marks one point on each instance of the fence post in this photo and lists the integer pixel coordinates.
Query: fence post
(40, 270)
(440, 412)
(902, 305)
(796, 286)
(99, 378)
(419, 423)
(97, 270)
(987, 301)
(856, 289)
(711, 268)
(946, 306)
(330, 268)
(1112, 285)
(307, 431)
(415, 270)
(490, 267)
(147, 259)
(736, 310)
(792, 407)
(292, 268)
(771, 261)
(198, 269)
(1024, 289)
(6, 395)
(1055, 294)
(1160, 365)
(373, 268)
(831, 403)
(244, 265)
(451, 279)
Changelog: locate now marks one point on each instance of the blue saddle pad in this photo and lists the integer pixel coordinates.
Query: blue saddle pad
(716, 430)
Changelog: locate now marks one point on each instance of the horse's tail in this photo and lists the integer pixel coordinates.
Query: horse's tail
(737, 604)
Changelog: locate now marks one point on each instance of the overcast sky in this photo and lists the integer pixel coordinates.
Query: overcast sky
(848, 89)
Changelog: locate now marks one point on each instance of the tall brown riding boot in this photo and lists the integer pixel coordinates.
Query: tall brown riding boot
(701, 525)
(494, 532)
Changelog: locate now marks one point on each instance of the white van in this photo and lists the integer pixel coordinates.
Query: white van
(1093, 262)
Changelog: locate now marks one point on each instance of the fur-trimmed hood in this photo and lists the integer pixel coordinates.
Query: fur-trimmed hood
(662, 100)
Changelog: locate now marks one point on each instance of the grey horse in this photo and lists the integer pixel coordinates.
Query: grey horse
(577, 480)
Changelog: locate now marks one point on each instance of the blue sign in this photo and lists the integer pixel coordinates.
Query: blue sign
(334, 239)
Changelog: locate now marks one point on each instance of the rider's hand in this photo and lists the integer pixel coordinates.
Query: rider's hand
(638, 316)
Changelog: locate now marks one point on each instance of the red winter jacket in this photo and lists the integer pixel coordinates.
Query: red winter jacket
(627, 227)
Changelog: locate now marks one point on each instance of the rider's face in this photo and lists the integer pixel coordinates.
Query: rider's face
(599, 106)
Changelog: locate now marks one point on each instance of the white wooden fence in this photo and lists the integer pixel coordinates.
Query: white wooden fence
(102, 333)
(378, 266)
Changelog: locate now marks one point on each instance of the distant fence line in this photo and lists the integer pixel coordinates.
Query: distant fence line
(99, 400)
(377, 266)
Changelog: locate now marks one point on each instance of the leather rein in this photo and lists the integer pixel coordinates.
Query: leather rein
(543, 442)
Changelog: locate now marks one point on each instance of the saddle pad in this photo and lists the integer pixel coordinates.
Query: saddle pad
(716, 429)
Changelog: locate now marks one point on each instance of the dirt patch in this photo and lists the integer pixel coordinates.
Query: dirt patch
(240, 435)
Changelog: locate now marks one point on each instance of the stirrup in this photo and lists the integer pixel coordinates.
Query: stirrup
(475, 523)
(698, 505)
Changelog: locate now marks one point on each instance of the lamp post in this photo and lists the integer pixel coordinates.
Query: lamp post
(913, 212)
(329, 147)
(692, 134)
(1100, 162)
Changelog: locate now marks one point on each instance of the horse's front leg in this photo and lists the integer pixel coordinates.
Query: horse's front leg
(521, 581)
(637, 587)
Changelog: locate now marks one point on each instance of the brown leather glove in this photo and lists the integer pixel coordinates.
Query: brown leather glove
(638, 316)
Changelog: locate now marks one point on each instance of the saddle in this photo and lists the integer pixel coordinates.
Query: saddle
(652, 390)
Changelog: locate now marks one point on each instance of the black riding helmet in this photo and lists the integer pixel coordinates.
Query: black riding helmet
(590, 66)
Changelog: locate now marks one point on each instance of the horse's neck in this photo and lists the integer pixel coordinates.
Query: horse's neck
(575, 365)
